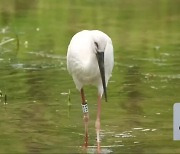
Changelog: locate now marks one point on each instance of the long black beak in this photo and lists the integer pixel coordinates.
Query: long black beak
(100, 58)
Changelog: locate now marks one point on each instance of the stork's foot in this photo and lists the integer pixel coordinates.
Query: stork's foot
(98, 147)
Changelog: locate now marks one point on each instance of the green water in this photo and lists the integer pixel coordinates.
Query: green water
(36, 116)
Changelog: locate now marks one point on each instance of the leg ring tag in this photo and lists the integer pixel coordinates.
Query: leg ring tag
(85, 108)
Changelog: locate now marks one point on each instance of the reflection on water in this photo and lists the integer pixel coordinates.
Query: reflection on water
(132, 81)
(104, 149)
(15, 8)
(35, 116)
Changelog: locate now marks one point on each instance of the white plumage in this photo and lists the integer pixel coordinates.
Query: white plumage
(90, 60)
(82, 62)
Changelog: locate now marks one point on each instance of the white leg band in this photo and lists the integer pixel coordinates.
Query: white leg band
(85, 108)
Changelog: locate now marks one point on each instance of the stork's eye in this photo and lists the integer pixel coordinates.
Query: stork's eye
(96, 44)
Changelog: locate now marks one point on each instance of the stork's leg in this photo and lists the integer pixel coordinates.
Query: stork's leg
(97, 124)
(85, 116)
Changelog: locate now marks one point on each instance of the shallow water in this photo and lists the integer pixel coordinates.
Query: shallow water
(36, 116)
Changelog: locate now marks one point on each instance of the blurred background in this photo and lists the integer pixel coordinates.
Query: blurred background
(36, 115)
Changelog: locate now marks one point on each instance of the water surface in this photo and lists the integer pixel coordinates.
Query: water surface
(36, 116)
